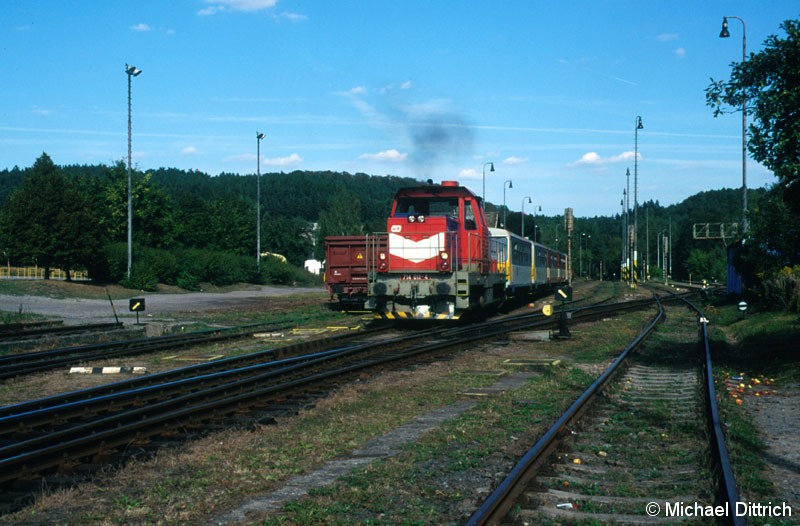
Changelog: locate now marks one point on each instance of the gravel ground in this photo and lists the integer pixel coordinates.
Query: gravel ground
(777, 418)
(81, 311)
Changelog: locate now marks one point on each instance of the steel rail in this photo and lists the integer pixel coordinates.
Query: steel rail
(91, 438)
(13, 365)
(528, 320)
(10, 334)
(78, 405)
(222, 364)
(497, 505)
(727, 482)
(111, 431)
(36, 456)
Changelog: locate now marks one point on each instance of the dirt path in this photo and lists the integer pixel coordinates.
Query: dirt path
(777, 418)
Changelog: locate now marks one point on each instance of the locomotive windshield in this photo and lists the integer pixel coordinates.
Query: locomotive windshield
(427, 207)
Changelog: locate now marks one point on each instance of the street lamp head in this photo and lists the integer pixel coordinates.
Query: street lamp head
(510, 184)
(639, 125)
(132, 70)
(724, 33)
(259, 136)
(491, 167)
(529, 200)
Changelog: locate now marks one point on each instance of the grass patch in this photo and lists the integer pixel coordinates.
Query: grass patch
(429, 482)
(19, 316)
(758, 343)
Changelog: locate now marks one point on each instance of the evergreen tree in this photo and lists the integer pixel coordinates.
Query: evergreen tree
(50, 222)
(342, 218)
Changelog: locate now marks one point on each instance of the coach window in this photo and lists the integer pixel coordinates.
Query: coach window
(469, 216)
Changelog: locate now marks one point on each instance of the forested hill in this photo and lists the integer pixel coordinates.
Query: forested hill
(179, 209)
(298, 194)
(176, 208)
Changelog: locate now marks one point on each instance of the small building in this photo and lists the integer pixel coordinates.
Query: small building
(312, 265)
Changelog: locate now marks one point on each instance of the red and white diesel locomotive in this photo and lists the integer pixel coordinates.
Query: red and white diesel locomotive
(439, 258)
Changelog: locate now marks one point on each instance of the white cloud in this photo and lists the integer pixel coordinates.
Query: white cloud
(594, 159)
(513, 160)
(589, 158)
(292, 160)
(141, 28)
(292, 17)
(392, 156)
(680, 52)
(218, 6)
(470, 173)
(189, 150)
(667, 37)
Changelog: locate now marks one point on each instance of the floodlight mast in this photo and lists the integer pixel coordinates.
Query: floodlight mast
(131, 71)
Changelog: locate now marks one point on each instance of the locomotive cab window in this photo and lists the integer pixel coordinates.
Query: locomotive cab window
(469, 216)
(411, 207)
(427, 207)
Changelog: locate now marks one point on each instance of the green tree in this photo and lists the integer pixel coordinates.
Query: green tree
(289, 236)
(769, 83)
(709, 265)
(231, 226)
(153, 218)
(775, 237)
(341, 218)
(51, 221)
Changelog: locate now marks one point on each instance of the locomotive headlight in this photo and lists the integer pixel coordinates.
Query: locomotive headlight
(444, 261)
(383, 263)
(382, 255)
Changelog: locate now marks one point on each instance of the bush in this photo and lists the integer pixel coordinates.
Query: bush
(114, 265)
(188, 281)
(188, 268)
(141, 278)
(783, 289)
(277, 272)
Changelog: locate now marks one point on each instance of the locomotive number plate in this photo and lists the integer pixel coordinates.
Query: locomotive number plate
(414, 277)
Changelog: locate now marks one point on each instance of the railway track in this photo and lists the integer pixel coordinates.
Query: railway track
(634, 448)
(19, 364)
(16, 332)
(47, 441)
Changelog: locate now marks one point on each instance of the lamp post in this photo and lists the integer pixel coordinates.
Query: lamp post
(131, 71)
(510, 185)
(628, 261)
(638, 126)
(580, 246)
(624, 230)
(491, 169)
(725, 34)
(523, 215)
(259, 136)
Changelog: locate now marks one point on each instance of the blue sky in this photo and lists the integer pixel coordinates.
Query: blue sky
(547, 91)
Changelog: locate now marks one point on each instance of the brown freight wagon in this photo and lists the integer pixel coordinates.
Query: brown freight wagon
(348, 261)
